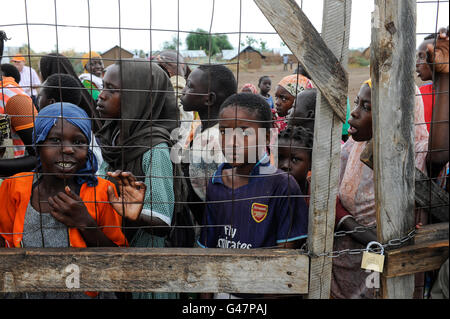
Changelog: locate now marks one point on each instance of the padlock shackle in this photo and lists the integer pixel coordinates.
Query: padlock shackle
(377, 244)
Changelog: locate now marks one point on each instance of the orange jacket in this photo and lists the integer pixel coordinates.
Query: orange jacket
(15, 194)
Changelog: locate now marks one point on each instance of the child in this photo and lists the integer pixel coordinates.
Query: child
(356, 196)
(65, 88)
(59, 88)
(259, 206)
(424, 69)
(139, 105)
(10, 70)
(432, 64)
(264, 85)
(206, 89)
(63, 203)
(305, 110)
(285, 94)
(295, 154)
(93, 72)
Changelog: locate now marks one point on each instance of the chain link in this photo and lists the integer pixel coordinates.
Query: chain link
(336, 253)
(358, 229)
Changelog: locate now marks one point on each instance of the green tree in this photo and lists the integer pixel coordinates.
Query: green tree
(222, 42)
(262, 45)
(173, 44)
(211, 44)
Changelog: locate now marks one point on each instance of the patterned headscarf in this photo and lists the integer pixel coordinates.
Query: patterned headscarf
(47, 119)
(250, 86)
(295, 84)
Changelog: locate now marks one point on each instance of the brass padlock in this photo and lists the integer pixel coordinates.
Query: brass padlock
(373, 261)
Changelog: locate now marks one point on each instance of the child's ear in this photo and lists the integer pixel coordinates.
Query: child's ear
(211, 99)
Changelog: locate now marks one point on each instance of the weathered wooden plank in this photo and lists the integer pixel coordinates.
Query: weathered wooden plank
(432, 232)
(155, 269)
(323, 65)
(393, 93)
(326, 157)
(428, 195)
(418, 258)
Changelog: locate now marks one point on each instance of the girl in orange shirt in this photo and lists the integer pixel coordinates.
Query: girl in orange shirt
(63, 203)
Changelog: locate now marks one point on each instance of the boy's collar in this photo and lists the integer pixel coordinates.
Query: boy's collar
(263, 167)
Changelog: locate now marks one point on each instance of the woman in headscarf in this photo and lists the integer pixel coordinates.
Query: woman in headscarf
(138, 103)
(93, 72)
(357, 196)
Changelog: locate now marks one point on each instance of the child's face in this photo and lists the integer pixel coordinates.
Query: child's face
(64, 151)
(95, 66)
(241, 146)
(194, 95)
(108, 104)
(293, 158)
(423, 69)
(265, 85)
(283, 101)
(361, 116)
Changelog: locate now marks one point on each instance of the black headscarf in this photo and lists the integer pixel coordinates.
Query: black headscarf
(148, 114)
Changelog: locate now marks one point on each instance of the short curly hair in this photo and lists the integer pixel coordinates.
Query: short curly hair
(63, 88)
(302, 136)
(254, 104)
(220, 80)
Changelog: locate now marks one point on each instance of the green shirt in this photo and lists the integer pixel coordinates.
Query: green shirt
(159, 196)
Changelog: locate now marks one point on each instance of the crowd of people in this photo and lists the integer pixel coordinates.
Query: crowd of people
(117, 155)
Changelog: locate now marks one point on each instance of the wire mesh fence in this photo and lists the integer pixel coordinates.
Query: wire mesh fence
(148, 144)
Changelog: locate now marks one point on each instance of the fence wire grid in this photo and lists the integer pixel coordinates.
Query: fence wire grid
(155, 110)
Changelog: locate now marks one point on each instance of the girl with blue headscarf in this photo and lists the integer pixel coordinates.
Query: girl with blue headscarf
(62, 203)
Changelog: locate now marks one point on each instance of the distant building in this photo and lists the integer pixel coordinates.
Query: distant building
(249, 56)
(114, 54)
(193, 54)
(9, 52)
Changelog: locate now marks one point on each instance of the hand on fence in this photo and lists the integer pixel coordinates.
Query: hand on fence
(440, 54)
(68, 208)
(132, 193)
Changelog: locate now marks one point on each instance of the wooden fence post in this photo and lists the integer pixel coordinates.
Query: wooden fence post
(323, 58)
(326, 156)
(393, 94)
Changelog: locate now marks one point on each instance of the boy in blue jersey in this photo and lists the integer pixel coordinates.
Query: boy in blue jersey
(250, 203)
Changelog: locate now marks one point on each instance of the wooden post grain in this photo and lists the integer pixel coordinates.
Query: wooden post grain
(154, 269)
(393, 93)
(324, 58)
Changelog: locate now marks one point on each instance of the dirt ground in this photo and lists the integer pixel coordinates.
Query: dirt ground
(276, 73)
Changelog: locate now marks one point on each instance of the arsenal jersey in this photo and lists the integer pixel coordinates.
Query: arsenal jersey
(269, 210)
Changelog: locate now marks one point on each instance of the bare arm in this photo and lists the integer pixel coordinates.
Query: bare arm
(438, 145)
